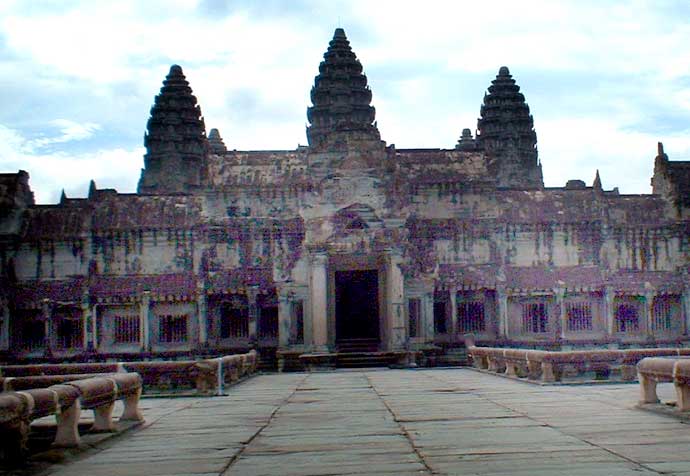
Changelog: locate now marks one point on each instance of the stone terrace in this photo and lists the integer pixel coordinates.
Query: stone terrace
(396, 422)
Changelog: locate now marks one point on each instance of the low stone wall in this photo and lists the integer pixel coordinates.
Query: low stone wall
(65, 401)
(549, 366)
(653, 370)
(204, 377)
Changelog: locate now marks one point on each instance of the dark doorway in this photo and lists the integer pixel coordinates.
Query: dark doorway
(357, 305)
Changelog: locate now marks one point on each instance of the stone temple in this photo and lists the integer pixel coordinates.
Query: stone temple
(342, 246)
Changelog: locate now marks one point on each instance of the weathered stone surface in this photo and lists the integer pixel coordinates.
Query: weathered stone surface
(397, 422)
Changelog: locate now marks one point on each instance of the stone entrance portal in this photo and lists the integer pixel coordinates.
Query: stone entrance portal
(357, 306)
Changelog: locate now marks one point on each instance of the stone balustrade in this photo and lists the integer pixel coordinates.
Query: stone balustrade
(653, 370)
(31, 392)
(65, 401)
(205, 377)
(16, 384)
(550, 366)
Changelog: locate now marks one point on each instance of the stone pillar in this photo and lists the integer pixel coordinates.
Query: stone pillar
(562, 317)
(318, 299)
(5, 323)
(253, 312)
(502, 309)
(648, 314)
(144, 321)
(202, 316)
(285, 325)
(92, 329)
(685, 308)
(608, 310)
(87, 335)
(428, 316)
(47, 312)
(395, 304)
(453, 314)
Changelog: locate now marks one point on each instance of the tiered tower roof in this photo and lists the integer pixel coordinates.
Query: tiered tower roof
(341, 97)
(506, 132)
(176, 138)
(216, 142)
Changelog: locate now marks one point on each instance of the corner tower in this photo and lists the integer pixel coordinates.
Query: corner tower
(341, 99)
(175, 140)
(506, 134)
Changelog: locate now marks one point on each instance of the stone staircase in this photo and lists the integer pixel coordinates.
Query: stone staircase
(268, 362)
(360, 353)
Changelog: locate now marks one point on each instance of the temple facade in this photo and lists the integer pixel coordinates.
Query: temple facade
(346, 243)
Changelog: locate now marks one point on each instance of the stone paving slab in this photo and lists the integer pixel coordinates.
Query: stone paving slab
(397, 422)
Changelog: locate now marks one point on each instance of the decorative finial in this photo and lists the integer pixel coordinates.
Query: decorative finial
(92, 189)
(504, 71)
(660, 149)
(339, 33)
(175, 70)
(63, 197)
(597, 183)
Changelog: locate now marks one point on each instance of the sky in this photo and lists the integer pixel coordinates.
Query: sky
(605, 80)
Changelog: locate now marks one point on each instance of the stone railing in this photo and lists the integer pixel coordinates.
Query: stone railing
(653, 370)
(65, 401)
(205, 377)
(551, 366)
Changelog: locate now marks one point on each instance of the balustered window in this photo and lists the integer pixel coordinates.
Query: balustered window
(234, 318)
(627, 318)
(70, 333)
(471, 316)
(579, 316)
(126, 329)
(32, 329)
(414, 308)
(172, 328)
(663, 312)
(535, 318)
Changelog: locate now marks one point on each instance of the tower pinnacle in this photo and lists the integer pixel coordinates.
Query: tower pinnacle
(506, 133)
(341, 97)
(175, 140)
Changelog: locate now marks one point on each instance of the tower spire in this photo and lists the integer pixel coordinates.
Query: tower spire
(597, 183)
(506, 133)
(341, 97)
(175, 140)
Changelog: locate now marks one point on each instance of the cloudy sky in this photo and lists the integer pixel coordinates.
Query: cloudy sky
(605, 80)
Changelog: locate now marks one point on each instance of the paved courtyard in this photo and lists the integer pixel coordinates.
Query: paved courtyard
(396, 422)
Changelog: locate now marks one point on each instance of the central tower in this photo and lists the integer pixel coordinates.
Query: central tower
(341, 99)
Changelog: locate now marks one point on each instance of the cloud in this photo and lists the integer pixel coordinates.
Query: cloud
(604, 80)
(69, 131)
(52, 171)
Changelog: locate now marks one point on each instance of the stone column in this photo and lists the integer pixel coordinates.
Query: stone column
(318, 299)
(395, 310)
(144, 321)
(428, 316)
(87, 335)
(562, 317)
(253, 312)
(685, 308)
(453, 314)
(202, 315)
(93, 327)
(5, 330)
(502, 309)
(285, 324)
(608, 310)
(47, 312)
(648, 314)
